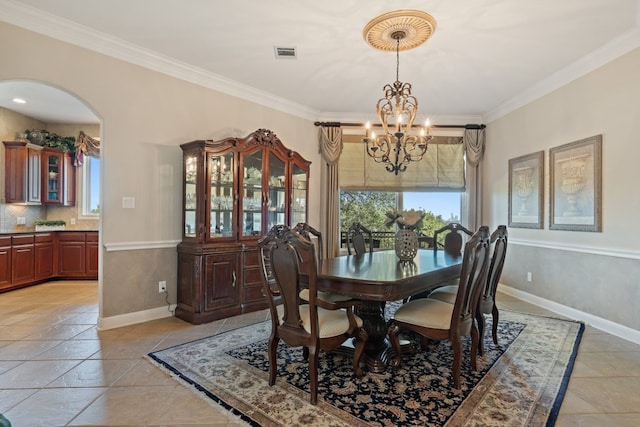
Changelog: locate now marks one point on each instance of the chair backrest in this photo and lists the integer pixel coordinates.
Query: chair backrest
(453, 238)
(499, 241)
(311, 234)
(287, 250)
(357, 238)
(473, 277)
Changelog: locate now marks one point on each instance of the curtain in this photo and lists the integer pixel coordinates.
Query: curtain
(442, 167)
(330, 143)
(86, 146)
(474, 144)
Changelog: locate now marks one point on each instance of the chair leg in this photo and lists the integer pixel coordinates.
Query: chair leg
(395, 342)
(475, 348)
(456, 344)
(494, 327)
(481, 326)
(313, 374)
(273, 363)
(361, 340)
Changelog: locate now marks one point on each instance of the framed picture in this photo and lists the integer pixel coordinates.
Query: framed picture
(575, 175)
(526, 190)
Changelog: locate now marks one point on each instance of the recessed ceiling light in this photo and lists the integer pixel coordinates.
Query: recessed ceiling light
(19, 101)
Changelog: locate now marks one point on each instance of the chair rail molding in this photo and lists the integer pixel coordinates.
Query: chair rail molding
(134, 246)
(619, 253)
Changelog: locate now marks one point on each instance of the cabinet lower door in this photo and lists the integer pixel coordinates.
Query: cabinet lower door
(43, 260)
(221, 287)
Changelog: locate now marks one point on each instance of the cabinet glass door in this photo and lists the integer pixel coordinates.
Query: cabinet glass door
(221, 215)
(53, 178)
(299, 180)
(252, 195)
(190, 195)
(276, 193)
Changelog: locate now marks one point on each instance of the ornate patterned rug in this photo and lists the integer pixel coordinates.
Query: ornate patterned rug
(520, 383)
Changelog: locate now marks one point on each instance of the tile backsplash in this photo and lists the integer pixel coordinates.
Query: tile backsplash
(10, 213)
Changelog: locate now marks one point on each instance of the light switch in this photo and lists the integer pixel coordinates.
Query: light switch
(22, 220)
(128, 202)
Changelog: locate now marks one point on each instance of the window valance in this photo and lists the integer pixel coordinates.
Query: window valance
(442, 168)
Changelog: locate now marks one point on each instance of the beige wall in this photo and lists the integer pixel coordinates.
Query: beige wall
(145, 117)
(591, 272)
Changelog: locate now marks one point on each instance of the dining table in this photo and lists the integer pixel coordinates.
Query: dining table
(374, 278)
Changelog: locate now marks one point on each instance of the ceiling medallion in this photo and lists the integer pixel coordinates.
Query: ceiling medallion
(416, 25)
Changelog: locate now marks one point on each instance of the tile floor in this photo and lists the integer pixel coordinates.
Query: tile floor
(57, 369)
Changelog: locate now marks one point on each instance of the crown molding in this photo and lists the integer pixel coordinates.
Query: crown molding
(588, 63)
(58, 28)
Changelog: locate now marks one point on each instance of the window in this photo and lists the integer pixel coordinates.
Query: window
(91, 187)
(370, 208)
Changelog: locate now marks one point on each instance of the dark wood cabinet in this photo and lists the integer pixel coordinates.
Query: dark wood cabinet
(22, 259)
(22, 172)
(235, 190)
(44, 256)
(91, 256)
(38, 175)
(31, 258)
(5, 261)
(71, 254)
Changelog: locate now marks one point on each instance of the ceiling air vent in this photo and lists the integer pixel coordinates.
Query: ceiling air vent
(285, 52)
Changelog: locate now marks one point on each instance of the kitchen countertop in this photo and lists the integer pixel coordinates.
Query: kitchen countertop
(33, 231)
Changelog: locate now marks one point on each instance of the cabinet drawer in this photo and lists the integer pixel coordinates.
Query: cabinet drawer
(70, 237)
(44, 238)
(91, 237)
(5, 241)
(26, 239)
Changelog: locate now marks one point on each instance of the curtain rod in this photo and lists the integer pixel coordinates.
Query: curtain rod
(338, 124)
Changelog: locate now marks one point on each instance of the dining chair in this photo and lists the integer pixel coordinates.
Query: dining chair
(438, 320)
(315, 236)
(452, 239)
(357, 238)
(487, 302)
(316, 325)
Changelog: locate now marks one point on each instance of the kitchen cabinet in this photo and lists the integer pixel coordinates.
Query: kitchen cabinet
(22, 259)
(235, 190)
(58, 178)
(23, 172)
(5, 261)
(71, 254)
(43, 256)
(30, 258)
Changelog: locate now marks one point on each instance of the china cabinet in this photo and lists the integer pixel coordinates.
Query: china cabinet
(234, 191)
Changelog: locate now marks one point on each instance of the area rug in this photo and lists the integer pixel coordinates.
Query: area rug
(521, 382)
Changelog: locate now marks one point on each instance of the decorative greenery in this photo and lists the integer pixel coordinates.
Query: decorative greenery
(49, 222)
(53, 140)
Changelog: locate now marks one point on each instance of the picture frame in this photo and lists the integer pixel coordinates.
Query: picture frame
(575, 180)
(526, 191)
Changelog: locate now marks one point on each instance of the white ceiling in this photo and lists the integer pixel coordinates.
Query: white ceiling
(485, 58)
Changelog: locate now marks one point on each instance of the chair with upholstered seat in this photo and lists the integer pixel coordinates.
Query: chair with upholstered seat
(316, 325)
(487, 302)
(358, 237)
(438, 320)
(315, 236)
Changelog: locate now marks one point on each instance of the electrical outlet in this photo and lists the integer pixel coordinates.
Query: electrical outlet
(162, 286)
(22, 220)
(529, 277)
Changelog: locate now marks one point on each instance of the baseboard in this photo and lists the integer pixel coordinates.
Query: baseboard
(605, 325)
(121, 320)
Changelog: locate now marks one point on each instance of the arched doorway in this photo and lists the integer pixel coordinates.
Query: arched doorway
(34, 105)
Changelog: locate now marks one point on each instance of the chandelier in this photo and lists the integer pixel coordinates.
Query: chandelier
(399, 144)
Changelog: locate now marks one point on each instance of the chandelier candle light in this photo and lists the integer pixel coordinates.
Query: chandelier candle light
(397, 110)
